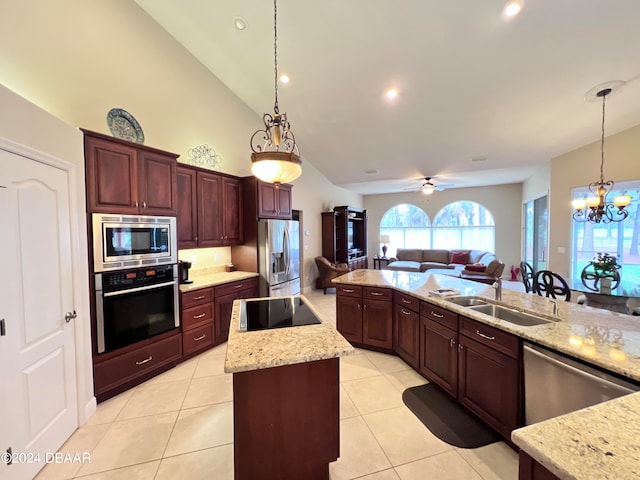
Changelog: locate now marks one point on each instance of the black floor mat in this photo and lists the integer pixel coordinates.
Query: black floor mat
(446, 419)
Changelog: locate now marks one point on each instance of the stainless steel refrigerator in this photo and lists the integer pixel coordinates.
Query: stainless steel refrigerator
(279, 257)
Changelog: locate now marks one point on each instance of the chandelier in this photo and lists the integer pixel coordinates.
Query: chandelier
(276, 157)
(595, 208)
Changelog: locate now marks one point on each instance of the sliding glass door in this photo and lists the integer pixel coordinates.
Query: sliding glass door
(535, 233)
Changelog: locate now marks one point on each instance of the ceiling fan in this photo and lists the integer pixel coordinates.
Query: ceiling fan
(429, 187)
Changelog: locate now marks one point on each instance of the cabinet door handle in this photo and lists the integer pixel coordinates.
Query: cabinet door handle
(377, 294)
(145, 360)
(437, 315)
(144, 204)
(199, 298)
(484, 336)
(452, 342)
(405, 312)
(365, 307)
(237, 287)
(195, 239)
(135, 204)
(347, 290)
(408, 302)
(201, 337)
(199, 316)
(358, 306)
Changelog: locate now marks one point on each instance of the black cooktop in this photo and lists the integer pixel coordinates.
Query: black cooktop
(278, 312)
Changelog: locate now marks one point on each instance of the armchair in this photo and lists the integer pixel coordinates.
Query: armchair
(328, 271)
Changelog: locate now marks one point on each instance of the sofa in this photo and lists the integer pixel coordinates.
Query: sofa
(478, 265)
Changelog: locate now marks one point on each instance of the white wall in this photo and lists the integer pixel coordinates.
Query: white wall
(23, 123)
(78, 59)
(503, 201)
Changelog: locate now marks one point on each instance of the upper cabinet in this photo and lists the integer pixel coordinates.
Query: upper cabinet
(274, 202)
(125, 177)
(209, 208)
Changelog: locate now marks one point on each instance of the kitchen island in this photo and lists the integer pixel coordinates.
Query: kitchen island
(286, 396)
(576, 445)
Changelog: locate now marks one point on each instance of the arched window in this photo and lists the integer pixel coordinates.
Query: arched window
(464, 224)
(407, 227)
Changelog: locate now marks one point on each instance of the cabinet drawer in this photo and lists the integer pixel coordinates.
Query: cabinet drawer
(123, 368)
(349, 290)
(377, 293)
(197, 297)
(440, 315)
(492, 337)
(406, 301)
(197, 338)
(237, 286)
(196, 316)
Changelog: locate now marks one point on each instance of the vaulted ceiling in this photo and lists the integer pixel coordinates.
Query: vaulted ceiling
(481, 100)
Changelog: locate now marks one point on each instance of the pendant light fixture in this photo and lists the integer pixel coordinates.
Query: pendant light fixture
(595, 208)
(276, 157)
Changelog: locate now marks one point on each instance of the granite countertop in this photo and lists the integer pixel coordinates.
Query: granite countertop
(259, 349)
(602, 441)
(211, 279)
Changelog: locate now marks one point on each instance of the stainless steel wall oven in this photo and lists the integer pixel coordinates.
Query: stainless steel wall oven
(132, 305)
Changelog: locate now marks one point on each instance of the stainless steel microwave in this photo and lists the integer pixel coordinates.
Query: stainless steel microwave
(126, 241)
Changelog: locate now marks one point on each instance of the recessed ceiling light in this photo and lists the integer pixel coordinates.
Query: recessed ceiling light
(371, 171)
(391, 93)
(512, 8)
(240, 23)
(284, 78)
(479, 158)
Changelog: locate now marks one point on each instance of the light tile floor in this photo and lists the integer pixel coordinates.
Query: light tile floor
(180, 425)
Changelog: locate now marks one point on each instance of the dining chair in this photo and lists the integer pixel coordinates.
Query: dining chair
(526, 271)
(549, 284)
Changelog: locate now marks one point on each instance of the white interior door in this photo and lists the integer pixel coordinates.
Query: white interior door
(38, 354)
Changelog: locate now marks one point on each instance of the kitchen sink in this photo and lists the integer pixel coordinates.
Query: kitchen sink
(511, 316)
(467, 301)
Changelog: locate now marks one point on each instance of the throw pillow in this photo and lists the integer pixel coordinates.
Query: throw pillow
(460, 257)
(475, 267)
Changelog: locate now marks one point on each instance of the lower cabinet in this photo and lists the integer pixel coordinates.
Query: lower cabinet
(135, 364)
(406, 328)
(206, 313)
(439, 355)
(529, 469)
(224, 297)
(364, 315)
(488, 380)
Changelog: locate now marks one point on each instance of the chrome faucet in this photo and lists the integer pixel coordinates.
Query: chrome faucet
(498, 287)
(554, 302)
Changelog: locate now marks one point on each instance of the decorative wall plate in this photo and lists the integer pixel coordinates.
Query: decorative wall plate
(123, 125)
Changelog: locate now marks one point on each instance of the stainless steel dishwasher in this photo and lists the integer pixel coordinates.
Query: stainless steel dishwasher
(555, 385)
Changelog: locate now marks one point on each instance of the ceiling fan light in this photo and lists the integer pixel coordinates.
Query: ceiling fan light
(276, 167)
(428, 188)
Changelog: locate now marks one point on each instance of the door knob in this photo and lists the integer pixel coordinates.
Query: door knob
(70, 316)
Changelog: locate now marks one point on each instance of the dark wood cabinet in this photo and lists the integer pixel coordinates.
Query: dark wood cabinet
(274, 202)
(349, 317)
(488, 384)
(128, 178)
(478, 364)
(407, 334)
(438, 354)
(225, 295)
(187, 216)
(365, 315)
(530, 469)
(197, 318)
(117, 371)
(344, 236)
(209, 208)
(288, 418)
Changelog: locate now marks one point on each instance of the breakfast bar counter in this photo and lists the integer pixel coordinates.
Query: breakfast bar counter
(601, 441)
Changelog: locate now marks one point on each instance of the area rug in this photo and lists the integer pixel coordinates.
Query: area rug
(446, 419)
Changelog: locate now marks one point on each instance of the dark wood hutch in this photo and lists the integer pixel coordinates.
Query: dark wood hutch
(344, 236)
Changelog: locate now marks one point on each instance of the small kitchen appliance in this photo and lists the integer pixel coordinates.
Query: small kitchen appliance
(184, 271)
